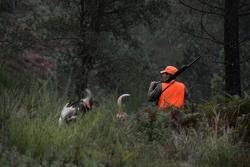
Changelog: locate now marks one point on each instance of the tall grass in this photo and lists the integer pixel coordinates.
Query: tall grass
(30, 135)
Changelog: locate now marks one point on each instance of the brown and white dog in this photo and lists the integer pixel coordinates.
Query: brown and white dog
(120, 114)
(70, 110)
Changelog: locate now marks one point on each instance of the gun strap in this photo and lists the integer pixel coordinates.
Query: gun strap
(171, 83)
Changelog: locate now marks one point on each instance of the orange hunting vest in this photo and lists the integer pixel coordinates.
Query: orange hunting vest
(173, 96)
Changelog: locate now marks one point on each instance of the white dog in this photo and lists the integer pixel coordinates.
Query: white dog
(70, 110)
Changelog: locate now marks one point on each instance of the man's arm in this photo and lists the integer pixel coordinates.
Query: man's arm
(154, 91)
(187, 95)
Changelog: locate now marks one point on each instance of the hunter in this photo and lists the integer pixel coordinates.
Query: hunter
(169, 96)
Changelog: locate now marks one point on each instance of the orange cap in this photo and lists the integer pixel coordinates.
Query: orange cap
(170, 70)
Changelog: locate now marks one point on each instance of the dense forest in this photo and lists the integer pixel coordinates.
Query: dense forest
(52, 51)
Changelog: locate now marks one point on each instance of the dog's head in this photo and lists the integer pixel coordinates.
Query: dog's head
(121, 116)
(70, 110)
(88, 100)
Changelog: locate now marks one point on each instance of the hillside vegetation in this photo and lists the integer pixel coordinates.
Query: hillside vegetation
(30, 135)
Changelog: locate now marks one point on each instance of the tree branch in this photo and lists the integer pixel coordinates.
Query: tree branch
(209, 34)
(4, 41)
(246, 87)
(124, 9)
(245, 60)
(247, 8)
(64, 38)
(198, 36)
(244, 13)
(107, 62)
(244, 40)
(211, 6)
(243, 4)
(200, 10)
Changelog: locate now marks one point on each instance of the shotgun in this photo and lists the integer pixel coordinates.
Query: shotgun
(181, 70)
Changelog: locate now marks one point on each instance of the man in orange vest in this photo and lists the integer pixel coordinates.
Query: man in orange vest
(167, 95)
(170, 96)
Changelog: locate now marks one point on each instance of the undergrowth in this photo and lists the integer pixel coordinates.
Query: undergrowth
(30, 135)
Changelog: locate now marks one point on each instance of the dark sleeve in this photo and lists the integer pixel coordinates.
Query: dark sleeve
(187, 95)
(154, 92)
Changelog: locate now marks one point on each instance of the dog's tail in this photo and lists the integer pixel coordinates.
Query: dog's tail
(121, 115)
(89, 96)
(119, 100)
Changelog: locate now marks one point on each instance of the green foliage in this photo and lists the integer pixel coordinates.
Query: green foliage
(197, 78)
(32, 136)
(122, 69)
(102, 24)
(52, 29)
(217, 86)
(120, 40)
(5, 81)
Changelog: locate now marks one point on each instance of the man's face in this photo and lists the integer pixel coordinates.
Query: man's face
(164, 77)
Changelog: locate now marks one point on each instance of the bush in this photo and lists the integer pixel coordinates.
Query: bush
(32, 136)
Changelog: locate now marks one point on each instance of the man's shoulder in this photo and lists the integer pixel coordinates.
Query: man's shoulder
(180, 83)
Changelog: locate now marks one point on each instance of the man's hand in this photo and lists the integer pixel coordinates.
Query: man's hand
(154, 91)
(153, 84)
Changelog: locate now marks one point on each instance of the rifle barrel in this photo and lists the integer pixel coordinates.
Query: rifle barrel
(178, 72)
(194, 61)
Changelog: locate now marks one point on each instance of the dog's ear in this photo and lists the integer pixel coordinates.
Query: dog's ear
(88, 104)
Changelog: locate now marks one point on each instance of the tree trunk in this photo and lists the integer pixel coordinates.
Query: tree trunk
(80, 67)
(89, 30)
(231, 48)
(8, 5)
